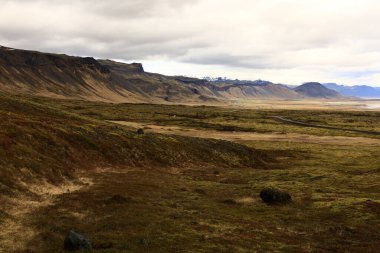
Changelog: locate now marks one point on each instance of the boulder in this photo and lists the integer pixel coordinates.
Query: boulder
(275, 196)
(75, 242)
(140, 131)
(118, 199)
(229, 202)
(145, 241)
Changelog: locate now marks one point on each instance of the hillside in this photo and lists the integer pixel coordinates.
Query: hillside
(166, 192)
(316, 90)
(238, 89)
(38, 141)
(63, 76)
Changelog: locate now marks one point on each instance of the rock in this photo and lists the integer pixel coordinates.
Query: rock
(195, 91)
(140, 131)
(104, 245)
(145, 241)
(229, 202)
(75, 242)
(118, 199)
(200, 191)
(136, 68)
(4, 215)
(275, 196)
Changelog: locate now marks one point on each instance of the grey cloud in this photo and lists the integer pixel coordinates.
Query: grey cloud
(137, 8)
(309, 36)
(240, 61)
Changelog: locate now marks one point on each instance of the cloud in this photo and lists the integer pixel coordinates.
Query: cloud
(292, 39)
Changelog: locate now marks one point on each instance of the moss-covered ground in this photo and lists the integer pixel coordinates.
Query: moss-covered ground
(183, 194)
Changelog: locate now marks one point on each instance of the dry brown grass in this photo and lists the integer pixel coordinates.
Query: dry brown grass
(206, 199)
(247, 136)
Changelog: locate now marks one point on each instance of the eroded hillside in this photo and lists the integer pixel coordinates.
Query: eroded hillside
(39, 141)
(63, 76)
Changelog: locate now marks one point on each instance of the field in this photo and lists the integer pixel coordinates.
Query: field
(191, 183)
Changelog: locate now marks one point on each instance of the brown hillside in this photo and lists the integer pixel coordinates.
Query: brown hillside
(63, 76)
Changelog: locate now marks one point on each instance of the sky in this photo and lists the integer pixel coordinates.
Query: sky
(284, 41)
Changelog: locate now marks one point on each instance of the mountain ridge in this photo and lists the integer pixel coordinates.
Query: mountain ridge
(361, 91)
(87, 78)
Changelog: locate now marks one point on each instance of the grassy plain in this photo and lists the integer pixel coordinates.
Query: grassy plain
(166, 191)
(232, 118)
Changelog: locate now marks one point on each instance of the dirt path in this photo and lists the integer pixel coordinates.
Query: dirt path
(16, 232)
(248, 136)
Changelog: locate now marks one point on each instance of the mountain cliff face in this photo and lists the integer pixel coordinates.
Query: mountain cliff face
(316, 90)
(63, 76)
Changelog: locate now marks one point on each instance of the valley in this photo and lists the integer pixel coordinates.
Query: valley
(196, 173)
(189, 126)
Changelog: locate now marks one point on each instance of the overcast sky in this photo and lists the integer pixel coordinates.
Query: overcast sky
(286, 41)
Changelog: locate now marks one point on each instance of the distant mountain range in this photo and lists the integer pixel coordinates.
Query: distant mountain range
(361, 91)
(86, 78)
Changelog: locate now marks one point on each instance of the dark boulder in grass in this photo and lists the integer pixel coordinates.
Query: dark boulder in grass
(118, 199)
(76, 242)
(275, 196)
(140, 131)
(229, 202)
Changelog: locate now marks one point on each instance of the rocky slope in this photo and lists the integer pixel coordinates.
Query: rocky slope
(63, 76)
(253, 89)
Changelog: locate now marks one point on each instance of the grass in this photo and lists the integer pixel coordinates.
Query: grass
(41, 140)
(191, 194)
(335, 209)
(230, 119)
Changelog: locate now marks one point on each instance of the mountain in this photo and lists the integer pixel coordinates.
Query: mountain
(361, 91)
(243, 89)
(316, 90)
(62, 76)
(86, 78)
